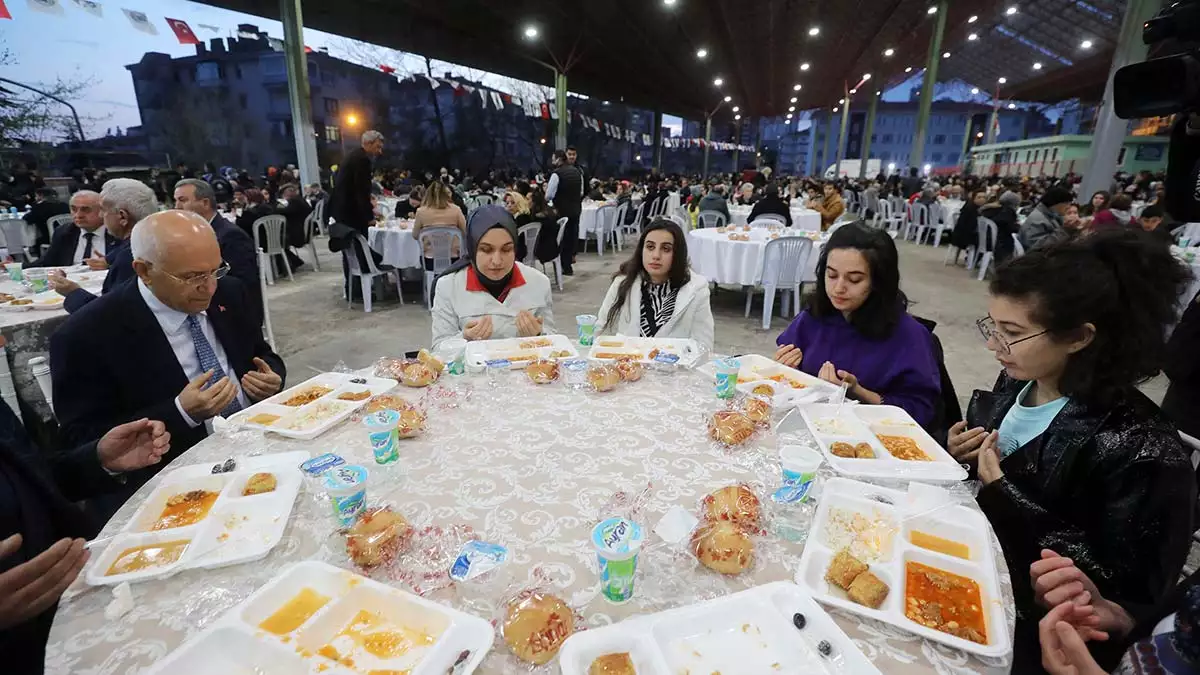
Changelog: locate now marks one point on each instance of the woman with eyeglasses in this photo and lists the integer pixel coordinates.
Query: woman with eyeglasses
(1074, 460)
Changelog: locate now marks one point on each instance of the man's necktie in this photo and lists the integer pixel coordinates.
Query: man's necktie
(208, 360)
(87, 245)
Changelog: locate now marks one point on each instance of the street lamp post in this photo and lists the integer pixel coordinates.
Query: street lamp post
(708, 134)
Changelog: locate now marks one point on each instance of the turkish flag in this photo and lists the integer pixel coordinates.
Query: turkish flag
(387, 69)
(183, 32)
(4, 11)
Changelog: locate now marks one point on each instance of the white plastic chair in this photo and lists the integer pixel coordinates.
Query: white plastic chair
(58, 221)
(936, 216)
(916, 218)
(319, 215)
(953, 251)
(262, 282)
(41, 372)
(268, 238)
(557, 262)
(367, 277)
(312, 224)
(440, 241)
(683, 218)
(784, 262)
(606, 228)
(635, 228)
(529, 232)
(763, 222)
(483, 199)
(850, 201)
(16, 238)
(1018, 247)
(772, 216)
(710, 219)
(987, 232)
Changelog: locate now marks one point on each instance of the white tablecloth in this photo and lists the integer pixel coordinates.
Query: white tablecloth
(397, 246)
(720, 260)
(952, 207)
(587, 219)
(22, 232)
(802, 218)
(524, 466)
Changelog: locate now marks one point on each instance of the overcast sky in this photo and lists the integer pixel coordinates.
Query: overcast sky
(73, 44)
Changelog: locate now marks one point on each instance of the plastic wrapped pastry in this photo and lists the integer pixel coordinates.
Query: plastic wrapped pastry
(758, 409)
(630, 370)
(412, 423)
(377, 537)
(723, 547)
(603, 377)
(536, 625)
(735, 504)
(542, 371)
(432, 362)
(413, 373)
(730, 427)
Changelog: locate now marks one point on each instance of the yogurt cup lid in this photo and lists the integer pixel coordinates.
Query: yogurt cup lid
(345, 477)
(617, 536)
(382, 418)
(729, 362)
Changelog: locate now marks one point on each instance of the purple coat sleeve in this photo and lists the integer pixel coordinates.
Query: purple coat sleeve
(915, 384)
(792, 335)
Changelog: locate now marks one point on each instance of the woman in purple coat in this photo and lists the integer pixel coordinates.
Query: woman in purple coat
(856, 330)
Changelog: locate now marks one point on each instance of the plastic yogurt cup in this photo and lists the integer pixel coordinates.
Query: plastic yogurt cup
(347, 489)
(381, 431)
(617, 542)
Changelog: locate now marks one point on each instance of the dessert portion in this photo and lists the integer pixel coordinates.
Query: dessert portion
(612, 664)
(412, 423)
(185, 509)
(853, 576)
(723, 547)
(848, 451)
(307, 395)
(736, 504)
(763, 390)
(560, 354)
(730, 427)
(260, 483)
(603, 377)
(758, 410)
(630, 369)
(385, 402)
(542, 371)
(932, 542)
(263, 419)
(945, 602)
(147, 557)
(21, 302)
(377, 537)
(535, 343)
(536, 626)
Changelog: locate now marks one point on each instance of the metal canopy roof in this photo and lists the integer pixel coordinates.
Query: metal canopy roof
(644, 51)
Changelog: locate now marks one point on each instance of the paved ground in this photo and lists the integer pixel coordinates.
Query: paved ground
(315, 329)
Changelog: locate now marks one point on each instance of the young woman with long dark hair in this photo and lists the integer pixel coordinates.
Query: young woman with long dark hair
(654, 294)
(1075, 461)
(857, 332)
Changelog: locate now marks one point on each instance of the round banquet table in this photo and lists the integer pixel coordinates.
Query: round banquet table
(802, 218)
(722, 261)
(587, 218)
(535, 482)
(396, 245)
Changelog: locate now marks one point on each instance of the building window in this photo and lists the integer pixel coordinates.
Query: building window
(272, 66)
(937, 157)
(1054, 155)
(874, 137)
(208, 71)
(237, 70)
(242, 101)
(952, 158)
(333, 134)
(331, 106)
(887, 138)
(939, 139)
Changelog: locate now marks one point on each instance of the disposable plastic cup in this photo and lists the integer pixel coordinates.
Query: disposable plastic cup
(38, 281)
(14, 271)
(453, 352)
(381, 432)
(800, 466)
(347, 489)
(727, 376)
(587, 329)
(617, 542)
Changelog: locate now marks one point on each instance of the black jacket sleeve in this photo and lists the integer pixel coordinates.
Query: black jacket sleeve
(1183, 355)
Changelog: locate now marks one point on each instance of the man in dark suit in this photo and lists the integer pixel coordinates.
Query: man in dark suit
(85, 238)
(180, 344)
(350, 203)
(296, 210)
(123, 202)
(237, 248)
(42, 533)
(45, 206)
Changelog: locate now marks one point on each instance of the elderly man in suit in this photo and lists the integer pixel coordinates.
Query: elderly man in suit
(350, 203)
(180, 344)
(123, 202)
(237, 248)
(42, 534)
(86, 238)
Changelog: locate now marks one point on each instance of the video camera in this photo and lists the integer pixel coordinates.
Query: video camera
(1166, 86)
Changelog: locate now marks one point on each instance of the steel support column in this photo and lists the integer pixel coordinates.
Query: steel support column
(916, 155)
(870, 129)
(298, 91)
(560, 104)
(658, 146)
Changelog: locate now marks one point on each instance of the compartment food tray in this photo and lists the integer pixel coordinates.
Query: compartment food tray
(860, 424)
(236, 528)
(953, 522)
(237, 641)
(756, 368)
(289, 420)
(616, 346)
(748, 632)
(479, 352)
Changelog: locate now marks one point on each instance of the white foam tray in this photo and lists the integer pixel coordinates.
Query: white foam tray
(957, 523)
(237, 529)
(481, 351)
(235, 643)
(339, 382)
(687, 349)
(862, 423)
(747, 632)
(757, 368)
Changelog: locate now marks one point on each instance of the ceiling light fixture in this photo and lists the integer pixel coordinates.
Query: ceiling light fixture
(736, 108)
(728, 99)
(814, 31)
(835, 109)
(973, 37)
(1086, 44)
(1011, 10)
(531, 32)
(853, 91)
(1003, 80)
(974, 90)
(945, 55)
(1037, 66)
(793, 99)
(979, 134)
(889, 51)
(702, 53)
(804, 66)
(908, 69)
(932, 10)
(792, 109)
(737, 117)
(795, 87)
(718, 82)
(973, 19)
(1012, 106)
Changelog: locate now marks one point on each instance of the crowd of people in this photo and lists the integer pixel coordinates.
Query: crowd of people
(1085, 481)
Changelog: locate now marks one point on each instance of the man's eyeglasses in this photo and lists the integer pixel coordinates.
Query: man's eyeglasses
(200, 278)
(987, 328)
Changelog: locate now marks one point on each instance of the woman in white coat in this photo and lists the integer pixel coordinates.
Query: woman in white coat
(488, 294)
(655, 294)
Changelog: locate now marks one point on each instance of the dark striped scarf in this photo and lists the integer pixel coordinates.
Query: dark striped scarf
(658, 304)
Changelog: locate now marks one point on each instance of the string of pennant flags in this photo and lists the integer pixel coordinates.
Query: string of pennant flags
(487, 97)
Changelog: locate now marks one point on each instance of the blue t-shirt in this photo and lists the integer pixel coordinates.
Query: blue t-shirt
(1024, 423)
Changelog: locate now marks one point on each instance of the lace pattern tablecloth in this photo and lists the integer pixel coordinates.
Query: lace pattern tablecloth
(529, 467)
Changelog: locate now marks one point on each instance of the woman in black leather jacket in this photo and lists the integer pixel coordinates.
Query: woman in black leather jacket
(1072, 457)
